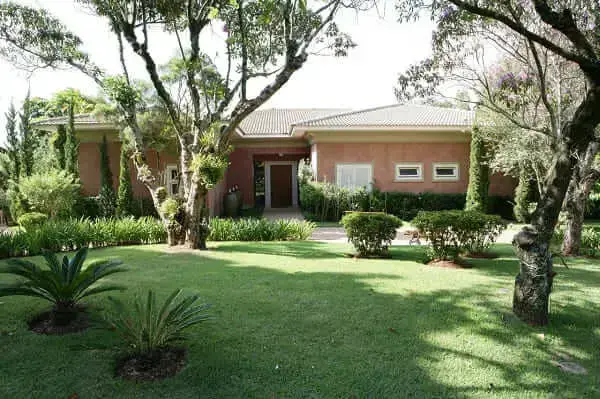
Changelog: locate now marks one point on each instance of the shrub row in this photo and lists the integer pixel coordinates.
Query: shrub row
(259, 230)
(327, 202)
(89, 207)
(451, 233)
(67, 235)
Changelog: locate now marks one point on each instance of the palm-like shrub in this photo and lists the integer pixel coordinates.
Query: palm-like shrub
(64, 284)
(148, 328)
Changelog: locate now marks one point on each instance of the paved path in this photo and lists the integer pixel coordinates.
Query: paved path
(337, 234)
(283, 213)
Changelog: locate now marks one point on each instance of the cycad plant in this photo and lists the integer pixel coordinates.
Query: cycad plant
(148, 328)
(64, 284)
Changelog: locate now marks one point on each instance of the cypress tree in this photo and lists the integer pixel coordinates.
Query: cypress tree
(13, 144)
(479, 175)
(523, 195)
(106, 196)
(71, 144)
(28, 140)
(125, 193)
(58, 144)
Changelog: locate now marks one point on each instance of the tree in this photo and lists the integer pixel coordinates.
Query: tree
(58, 144)
(13, 148)
(523, 196)
(565, 31)
(125, 192)
(263, 39)
(27, 138)
(479, 175)
(106, 195)
(71, 147)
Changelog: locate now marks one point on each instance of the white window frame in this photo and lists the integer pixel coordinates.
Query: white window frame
(369, 185)
(169, 181)
(418, 178)
(455, 177)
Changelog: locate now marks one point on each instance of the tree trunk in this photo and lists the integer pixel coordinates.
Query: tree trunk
(196, 223)
(580, 186)
(533, 284)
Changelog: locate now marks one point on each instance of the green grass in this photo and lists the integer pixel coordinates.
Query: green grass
(301, 320)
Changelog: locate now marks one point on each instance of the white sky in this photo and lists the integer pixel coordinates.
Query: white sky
(365, 78)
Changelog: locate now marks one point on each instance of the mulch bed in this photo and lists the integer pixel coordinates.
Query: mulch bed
(156, 366)
(458, 264)
(44, 324)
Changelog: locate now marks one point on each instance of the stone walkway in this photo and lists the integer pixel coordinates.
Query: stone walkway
(283, 213)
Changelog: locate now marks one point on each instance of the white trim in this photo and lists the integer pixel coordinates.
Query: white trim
(454, 177)
(168, 181)
(314, 159)
(402, 165)
(359, 164)
(268, 181)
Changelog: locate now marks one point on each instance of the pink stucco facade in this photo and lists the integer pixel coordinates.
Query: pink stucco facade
(241, 168)
(384, 156)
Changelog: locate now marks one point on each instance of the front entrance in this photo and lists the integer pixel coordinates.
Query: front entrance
(281, 184)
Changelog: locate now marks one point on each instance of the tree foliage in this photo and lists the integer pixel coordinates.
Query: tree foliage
(125, 191)
(28, 139)
(13, 148)
(106, 195)
(479, 175)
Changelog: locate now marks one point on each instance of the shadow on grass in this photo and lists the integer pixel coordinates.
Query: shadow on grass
(322, 334)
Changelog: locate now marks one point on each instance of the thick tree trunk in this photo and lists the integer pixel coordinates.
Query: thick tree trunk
(584, 178)
(196, 223)
(534, 281)
(533, 284)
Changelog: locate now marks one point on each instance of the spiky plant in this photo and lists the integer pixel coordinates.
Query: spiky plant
(148, 328)
(64, 284)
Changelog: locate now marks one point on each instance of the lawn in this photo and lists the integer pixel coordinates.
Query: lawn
(301, 320)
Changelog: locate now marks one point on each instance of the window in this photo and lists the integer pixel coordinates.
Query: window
(409, 172)
(172, 179)
(445, 171)
(354, 176)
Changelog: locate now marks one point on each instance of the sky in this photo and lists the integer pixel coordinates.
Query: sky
(363, 79)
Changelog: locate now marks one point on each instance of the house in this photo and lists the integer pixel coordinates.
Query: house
(408, 148)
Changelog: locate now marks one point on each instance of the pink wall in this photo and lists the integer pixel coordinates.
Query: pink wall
(241, 168)
(89, 167)
(384, 156)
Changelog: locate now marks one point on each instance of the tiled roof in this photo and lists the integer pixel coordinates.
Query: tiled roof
(278, 121)
(81, 119)
(396, 116)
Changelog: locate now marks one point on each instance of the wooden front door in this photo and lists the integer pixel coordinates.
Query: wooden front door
(281, 186)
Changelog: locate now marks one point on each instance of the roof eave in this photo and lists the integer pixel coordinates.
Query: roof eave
(299, 131)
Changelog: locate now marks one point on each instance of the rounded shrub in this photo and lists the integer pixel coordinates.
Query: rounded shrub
(451, 233)
(371, 233)
(32, 220)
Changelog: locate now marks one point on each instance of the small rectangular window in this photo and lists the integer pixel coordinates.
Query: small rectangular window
(354, 176)
(172, 179)
(445, 172)
(409, 172)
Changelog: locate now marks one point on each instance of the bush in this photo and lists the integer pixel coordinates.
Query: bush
(65, 284)
(86, 207)
(259, 230)
(73, 234)
(501, 206)
(146, 327)
(590, 239)
(451, 233)
(31, 221)
(371, 233)
(53, 193)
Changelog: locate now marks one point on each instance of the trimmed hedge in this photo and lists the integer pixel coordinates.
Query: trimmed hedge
(451, 233)
(69, 235)
(259, 230)
(32, 220)
(89, 207)
(327, 202)
(371, 233)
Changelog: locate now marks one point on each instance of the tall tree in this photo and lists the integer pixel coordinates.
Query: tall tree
(563, 29)
(125, 191)
(27, 138)
(263, 41)
(13, 148)
(58, 144)
(71, 147)
(106, 195)
(479, 175)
